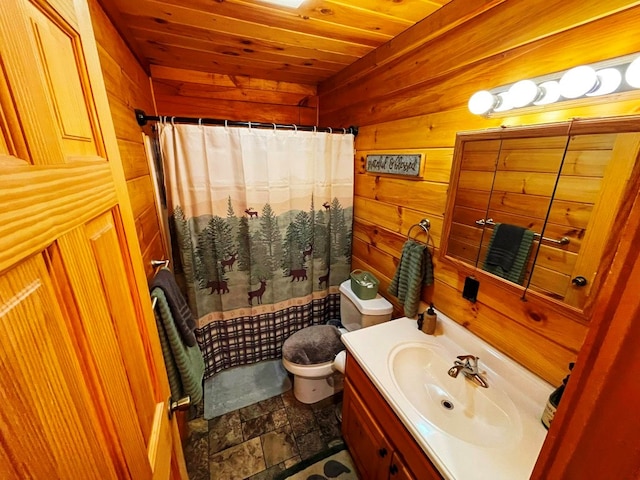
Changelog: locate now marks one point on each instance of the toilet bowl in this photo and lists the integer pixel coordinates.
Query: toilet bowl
(316, 356)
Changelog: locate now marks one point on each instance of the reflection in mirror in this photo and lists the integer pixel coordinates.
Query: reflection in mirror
(478, 160)
(562, 184)
(583, 207)
(525, 179)
(507, 182)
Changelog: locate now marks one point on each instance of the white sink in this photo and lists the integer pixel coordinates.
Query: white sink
(457, 406)
(492, 432)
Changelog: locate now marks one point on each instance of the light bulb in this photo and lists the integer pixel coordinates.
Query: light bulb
(522, 93)
(633, 73)
(550, 93)
(578, 81)
(504, 102)
(481, 102)
(609, 79)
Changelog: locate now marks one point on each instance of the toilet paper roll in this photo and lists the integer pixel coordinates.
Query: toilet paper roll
(340, 361)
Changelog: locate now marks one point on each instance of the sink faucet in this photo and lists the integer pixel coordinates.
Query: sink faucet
(468, 365)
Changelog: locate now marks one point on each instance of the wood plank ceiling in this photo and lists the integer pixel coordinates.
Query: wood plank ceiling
(259, 39)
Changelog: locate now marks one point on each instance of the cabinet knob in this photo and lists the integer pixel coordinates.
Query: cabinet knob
(579, 281)
(393, 469)
(382, 452)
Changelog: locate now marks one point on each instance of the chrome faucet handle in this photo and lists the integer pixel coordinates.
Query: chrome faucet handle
(469, 360)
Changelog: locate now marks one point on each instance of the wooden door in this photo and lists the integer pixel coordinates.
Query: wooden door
(82, 382)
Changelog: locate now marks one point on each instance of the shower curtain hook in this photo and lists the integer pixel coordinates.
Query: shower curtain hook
(249, 125)
(172, 119)
(274, 127)
(199, 122)
(314, 129)
(344, 131)
(295, 128)
(330, 129)
(225, 124)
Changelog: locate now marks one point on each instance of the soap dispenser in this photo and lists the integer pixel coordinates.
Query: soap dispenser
(429, 320)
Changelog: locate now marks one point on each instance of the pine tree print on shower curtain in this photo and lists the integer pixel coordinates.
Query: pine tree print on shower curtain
(262, 225)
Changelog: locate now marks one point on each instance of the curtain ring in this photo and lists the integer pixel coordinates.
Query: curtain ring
(314, 129)
(330, 130)
(274, 127)
(295, 128)
(199, 122)
(172, 119)
(225, 124)
(344, 131)
(249, 125)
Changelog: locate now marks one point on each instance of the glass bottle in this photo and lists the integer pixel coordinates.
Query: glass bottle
(553, 401)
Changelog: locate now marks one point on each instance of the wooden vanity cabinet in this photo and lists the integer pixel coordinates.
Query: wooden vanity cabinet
(381, 447)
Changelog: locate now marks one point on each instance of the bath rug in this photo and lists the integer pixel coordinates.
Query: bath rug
(243, 386)
(332, 463)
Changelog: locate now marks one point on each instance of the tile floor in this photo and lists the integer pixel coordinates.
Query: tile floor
(259, 441)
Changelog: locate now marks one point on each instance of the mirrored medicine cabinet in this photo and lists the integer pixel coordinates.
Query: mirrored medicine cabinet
(562, 182)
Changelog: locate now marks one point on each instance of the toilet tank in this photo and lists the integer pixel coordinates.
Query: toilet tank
(356, 313)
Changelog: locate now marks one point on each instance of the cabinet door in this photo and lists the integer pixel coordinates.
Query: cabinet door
(82, 380)
(367, 444)
(398, 470)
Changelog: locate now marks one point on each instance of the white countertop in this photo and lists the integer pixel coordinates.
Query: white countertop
(455, 458)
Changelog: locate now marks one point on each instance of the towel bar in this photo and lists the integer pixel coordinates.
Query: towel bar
(489, 222)
(160, 263)
(157, 264)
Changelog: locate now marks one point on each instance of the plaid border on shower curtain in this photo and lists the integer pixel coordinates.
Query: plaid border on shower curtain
(250, 339)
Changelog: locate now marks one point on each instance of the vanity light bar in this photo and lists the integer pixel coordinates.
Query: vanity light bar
(594, 80)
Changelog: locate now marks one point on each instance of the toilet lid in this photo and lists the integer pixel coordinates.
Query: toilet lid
(312, 345)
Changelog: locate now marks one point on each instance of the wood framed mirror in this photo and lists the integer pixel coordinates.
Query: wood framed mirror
(562, 184)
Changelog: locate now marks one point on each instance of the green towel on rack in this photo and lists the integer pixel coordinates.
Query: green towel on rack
(518, 268)
(185, 365)
(414, 270)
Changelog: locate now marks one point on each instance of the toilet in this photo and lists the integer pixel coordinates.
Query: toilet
(316, 356)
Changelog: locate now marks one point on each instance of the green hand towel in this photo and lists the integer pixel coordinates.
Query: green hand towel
(414, 270)
(185, 365)
(516, 273)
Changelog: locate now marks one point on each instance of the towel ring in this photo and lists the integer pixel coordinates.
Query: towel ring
(425, 225)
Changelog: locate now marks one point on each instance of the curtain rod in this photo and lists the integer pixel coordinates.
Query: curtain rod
(142, 118)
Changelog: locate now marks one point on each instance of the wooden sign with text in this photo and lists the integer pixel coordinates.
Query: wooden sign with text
(399, 164)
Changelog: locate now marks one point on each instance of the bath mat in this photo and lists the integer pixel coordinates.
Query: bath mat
(332, 463)
(243, 386)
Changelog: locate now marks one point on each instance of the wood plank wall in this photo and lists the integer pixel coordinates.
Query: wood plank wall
(191, 93)
(415, 100)
(128, 88)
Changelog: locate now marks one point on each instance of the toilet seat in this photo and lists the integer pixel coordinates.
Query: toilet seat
(311, 346)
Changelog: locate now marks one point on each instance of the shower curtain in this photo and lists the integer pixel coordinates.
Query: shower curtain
(261, 230)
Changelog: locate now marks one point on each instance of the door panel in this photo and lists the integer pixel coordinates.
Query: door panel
(64, 72)
(46, 417)
(103, 239)
(84, 280)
